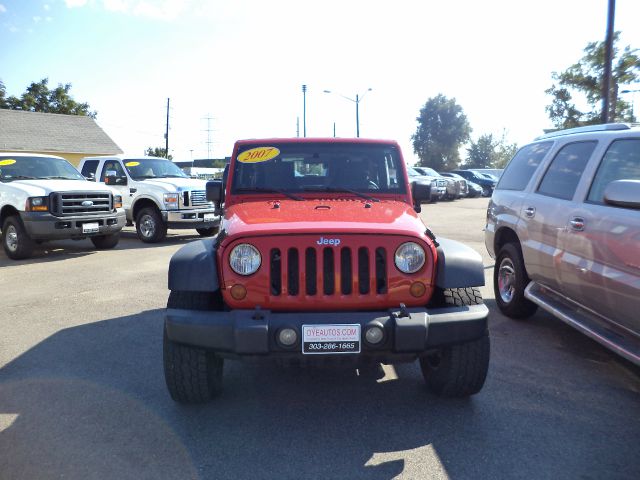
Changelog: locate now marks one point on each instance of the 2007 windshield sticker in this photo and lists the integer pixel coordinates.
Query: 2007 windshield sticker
(8, 161)
(259, 154)
(132, 164)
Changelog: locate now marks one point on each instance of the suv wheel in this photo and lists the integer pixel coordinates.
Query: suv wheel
(15, 240)
(509, 281)
(458, 370)
(104, 242)
(486, 191)
(207, 232)
(192, 375)
(149, 226)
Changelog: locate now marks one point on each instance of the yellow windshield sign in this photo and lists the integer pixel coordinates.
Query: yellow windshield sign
(8, 161)
(259, 154)
(132, 164)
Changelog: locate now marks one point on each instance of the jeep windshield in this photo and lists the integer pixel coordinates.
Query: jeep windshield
(36, 168)
(361, 169)
(145, 168)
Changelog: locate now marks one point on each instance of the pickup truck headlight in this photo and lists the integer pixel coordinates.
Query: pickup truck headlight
(37, 204)
(245, 259)
(171, 200)
(409, 257)
(117, 201)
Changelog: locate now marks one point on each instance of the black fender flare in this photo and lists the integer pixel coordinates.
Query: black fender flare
(194, 268)
(459, 266)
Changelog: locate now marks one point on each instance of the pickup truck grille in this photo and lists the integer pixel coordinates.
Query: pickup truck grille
(199, 198)
(66, 204)
(441, 183)
(328, 271)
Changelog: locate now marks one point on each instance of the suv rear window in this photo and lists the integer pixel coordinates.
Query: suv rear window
(522, 166)
(562, 177)
(621, 162)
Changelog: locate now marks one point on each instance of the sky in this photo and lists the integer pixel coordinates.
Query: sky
(234, 69)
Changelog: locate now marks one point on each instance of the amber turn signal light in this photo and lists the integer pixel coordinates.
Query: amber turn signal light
(238, 292)
(417, 289)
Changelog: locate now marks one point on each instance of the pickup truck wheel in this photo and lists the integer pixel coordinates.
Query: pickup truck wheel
(149, 226)
(104, 242)
(509, 281)
(458, 370)
(15, 240)
(192, 375)
(207, 232)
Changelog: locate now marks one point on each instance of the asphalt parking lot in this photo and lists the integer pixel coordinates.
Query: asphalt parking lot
(82, 392)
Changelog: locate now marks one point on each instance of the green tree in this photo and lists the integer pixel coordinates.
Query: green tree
(442, 128)
(39, 98)
(585, 80)
(504, 151)
(158, 152)
(481, 154)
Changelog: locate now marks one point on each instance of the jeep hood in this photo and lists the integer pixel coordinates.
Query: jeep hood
(42, 188)
(321, 216)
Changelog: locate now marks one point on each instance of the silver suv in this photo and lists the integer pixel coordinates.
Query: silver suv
(563, 225)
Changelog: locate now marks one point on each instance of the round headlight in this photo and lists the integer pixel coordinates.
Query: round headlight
(245, 259)
(409, 257)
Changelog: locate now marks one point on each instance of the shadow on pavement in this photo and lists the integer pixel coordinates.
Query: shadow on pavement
(90, 402)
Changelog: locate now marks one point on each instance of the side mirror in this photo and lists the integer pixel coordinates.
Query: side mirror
(421, 194)
(114, 179)
(623, 193)
(214, 192)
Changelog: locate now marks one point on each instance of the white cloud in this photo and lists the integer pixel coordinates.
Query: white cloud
(123, 6)
(2, 8)
(37, 19)
(162, 10)
(46, 7)
(75, 3)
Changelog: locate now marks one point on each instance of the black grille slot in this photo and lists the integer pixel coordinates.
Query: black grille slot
(363, 270)
(381, 270)
(185, 198)
(293, 272)
(311, 266)
(328, 271)
(346, 273)
(81, 203)
(275, 263)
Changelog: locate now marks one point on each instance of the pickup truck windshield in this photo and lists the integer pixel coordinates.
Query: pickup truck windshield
(144, 168)
(343, 168)
(36, 168)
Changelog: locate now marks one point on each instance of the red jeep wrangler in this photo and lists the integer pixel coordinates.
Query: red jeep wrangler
(321, 255)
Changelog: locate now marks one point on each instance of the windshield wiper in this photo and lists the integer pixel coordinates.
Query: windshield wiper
(341, 189)
(171, 176)
(271, 190)
(54, 177)
(19, 177)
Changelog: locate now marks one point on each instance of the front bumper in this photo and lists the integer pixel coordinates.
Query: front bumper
(191, 218)
(44, 226)
(253, 332)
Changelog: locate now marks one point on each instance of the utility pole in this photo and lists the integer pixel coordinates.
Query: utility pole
(166, 134)
(608, 53)
(304, 109)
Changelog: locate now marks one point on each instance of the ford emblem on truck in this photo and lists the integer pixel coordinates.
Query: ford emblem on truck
(87, 203)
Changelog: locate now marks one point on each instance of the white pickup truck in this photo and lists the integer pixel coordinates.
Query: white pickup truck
(156, 194)
(43, 197)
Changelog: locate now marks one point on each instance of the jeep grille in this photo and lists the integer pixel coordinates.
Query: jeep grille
(336, 274)
(65, 204)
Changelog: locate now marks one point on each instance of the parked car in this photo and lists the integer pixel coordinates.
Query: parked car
(452, 186)
(487, 184)
(564, 227)
(463, 184)
(475, 190)
(43, 197)
(496, 172)
(157, 194)
(322, 258)
(437, 187)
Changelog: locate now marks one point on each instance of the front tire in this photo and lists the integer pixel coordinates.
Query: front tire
(192, 375)
(207, 232)
(149, 226)
(457, 370)
(15, 239)
(509, 282)
(104, 242)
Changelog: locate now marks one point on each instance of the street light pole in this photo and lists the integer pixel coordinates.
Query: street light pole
(357, 101)
(304, 110)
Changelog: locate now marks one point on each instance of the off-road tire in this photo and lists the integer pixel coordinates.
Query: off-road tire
(207, 232)
(457, 370)
(514, 304)
(192, 375)
(15, 239)
(105, 242)
(149, 226)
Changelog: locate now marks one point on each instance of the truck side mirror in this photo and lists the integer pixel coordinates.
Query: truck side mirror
(112, 178)
(421, 194)
(214, 192)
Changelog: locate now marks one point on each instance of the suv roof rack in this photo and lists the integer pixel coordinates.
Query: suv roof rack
(588, 128)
